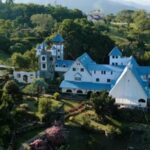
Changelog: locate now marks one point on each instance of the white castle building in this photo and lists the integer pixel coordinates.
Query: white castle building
(123, 78)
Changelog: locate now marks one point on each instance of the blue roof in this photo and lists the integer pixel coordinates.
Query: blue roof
(144, 70)
(62, 63)
(85, 85)
(58, 39)
(132, 62)
(86, 60)
(115, 52)
(136, 73)
(97, 67)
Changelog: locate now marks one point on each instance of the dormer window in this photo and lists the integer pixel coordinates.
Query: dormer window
(116, 56)
(113, 56)
(82, 69)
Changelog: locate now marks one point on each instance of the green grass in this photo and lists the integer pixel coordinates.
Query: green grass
(69, 104)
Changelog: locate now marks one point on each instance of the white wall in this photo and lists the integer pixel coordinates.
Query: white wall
(70, 75)
(19, 76)
(128, 90)
(120, 60)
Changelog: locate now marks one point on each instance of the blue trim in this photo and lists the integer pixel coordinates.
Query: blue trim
(85, 85)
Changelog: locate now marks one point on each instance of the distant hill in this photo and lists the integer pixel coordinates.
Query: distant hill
(107, 6)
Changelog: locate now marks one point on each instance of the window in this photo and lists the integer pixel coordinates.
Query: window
(74, 69)
(58, 57)
(94, 72)
(82, 69)
(64, 66)
(103, 72)
(56, 65)
(116, 64)
(97, 79)
(113, 64)
(51, 58)
(43, 66)
(43, 58)
(113, 56)
(18, 75)
(58, 50)
(111, 72)
(116, 56)
(77, 78)
(108, 80)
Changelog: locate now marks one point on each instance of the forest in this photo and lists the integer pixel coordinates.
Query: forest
(23, 26)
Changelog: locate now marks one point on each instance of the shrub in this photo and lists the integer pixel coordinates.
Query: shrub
(24, 106)
(44, 105)
(56, 96)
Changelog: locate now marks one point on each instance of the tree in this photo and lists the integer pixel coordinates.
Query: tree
(43, 22)
(20, 61)
(141, 20)
(103, 104)
(11, 92)
(81, 36)
(10, 2)
(38, 86)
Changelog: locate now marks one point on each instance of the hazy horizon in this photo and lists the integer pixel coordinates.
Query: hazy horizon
(107, 6)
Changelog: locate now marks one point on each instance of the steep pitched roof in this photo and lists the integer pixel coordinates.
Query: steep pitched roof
(58, 39)
(86, 61)
(115, 52)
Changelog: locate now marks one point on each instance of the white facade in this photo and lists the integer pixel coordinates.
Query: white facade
(128, 91)
(118, 60)
(24, 77)
(78, 72)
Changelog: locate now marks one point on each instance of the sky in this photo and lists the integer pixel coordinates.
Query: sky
(107, 6)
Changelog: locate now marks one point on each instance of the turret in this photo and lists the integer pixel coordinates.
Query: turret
(57, 49)
(114, 56)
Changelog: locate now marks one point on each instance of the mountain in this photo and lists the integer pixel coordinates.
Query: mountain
(107, 6)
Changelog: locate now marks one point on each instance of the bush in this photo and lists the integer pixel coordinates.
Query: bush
(56, 96)
(24, 106)
(44, 105)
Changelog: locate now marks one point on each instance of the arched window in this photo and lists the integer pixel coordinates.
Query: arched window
(142, 101)
(69, 91)
(25, 78)
(78, 77)
(79, 91)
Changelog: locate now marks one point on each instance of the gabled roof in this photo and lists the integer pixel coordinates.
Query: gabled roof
(86, 60)
(58, 39)
(85, 85)
(115, 52)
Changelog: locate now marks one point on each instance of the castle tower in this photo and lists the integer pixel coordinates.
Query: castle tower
(45, 59)
(57, 49)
